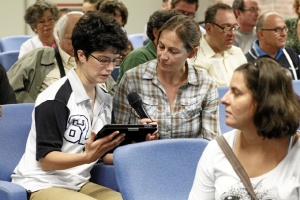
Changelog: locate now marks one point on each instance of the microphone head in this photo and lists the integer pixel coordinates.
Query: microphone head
(134, 99)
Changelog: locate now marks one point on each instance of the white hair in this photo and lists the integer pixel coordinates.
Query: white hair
(61, 24)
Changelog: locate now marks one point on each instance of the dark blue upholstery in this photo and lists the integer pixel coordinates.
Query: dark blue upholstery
(8, 58)
(161, 169)
(105, 175)
(115, 73)
(13, 43)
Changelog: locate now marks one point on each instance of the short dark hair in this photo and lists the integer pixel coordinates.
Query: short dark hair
(175, 2)
(186, 29)
(110, 7)
(211, 11)
(237, 5)
(278, 109)
(157, 19)
(37, 10)
(96, 31)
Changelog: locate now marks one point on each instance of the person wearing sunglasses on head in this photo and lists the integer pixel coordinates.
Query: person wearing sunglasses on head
(246, 13)
(217, 55)
(272, 36)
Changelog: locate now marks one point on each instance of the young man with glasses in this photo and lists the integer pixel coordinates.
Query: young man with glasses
(246, 13)
(216, 54)
(271, 42)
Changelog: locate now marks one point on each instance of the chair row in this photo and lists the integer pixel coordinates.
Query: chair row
(13, 43)
(162, 169)
(8, 58)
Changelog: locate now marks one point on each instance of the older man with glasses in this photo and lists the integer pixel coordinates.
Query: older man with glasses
(272, 36)
(246, 13)
(216, 54)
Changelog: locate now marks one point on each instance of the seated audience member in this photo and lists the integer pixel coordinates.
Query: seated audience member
(117, 10)
(272, 36)
(186, 7)
(41, 17)
(217, 55)
(246, 13)
(38, 69)
(91, 5)
(265, 142)
(7, 95)
(63, 11)
(182, 99)
(291, 23)
(61, 150)
(148, 51)
(165, 5)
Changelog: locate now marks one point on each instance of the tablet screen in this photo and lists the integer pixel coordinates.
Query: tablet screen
(133, 132)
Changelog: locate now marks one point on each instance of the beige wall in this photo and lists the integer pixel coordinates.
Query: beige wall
(12, 12)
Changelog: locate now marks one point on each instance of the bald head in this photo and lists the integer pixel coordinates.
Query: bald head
(267, 18)
(64, 28)
(271, 32)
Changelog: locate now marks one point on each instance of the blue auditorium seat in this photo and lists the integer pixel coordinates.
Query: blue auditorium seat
(13, 43)
(15, 123)
(136, 40)
(8, 58)
(224, 128)
(160, 169)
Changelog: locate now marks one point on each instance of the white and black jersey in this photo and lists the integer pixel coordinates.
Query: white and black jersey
(62, 121)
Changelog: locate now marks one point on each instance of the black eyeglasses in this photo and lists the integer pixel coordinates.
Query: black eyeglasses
(227, 28)
(276, 30)
(105, 61)
(252, 9)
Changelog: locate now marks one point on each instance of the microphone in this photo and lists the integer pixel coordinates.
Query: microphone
(136, 103)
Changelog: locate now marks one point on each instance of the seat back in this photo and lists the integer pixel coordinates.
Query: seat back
(8, 58)
(161, 169)
(15, 123)
(136, 40)
(115, 73)
(13, 43)
(224, 128)
(296, 86)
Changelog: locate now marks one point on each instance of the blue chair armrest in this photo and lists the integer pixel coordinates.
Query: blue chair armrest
(12, 191)
(104, 175)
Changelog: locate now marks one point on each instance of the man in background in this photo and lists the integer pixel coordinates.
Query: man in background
(186, 7)
(271, 42)
(91, 5)
(216, 54)
(246, 13)
(166, 5)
